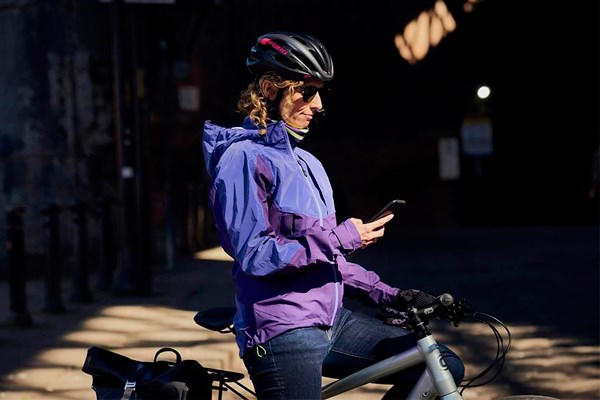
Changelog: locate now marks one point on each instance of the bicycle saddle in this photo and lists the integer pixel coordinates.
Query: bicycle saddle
(218, 319)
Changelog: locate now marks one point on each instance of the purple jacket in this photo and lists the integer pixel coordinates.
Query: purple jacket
(274, 212)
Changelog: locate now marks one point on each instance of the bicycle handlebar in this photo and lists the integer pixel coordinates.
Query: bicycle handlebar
(443, 307)
(436, 309)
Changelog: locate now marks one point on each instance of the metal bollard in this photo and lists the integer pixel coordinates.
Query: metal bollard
(53, 276)
(81, 288)
(15, 250)
(105, 248)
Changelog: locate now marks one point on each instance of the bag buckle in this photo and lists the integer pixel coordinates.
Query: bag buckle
(129, 389)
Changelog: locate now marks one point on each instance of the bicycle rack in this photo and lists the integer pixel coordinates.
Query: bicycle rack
(225, 378)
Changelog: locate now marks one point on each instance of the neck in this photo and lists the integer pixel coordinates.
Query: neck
(296, 134)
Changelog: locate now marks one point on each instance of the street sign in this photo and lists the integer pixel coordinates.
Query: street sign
(476, 135)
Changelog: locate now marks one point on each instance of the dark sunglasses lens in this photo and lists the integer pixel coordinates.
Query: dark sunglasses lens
(309, 92)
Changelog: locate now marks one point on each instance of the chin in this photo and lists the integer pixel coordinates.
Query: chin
(299, 125)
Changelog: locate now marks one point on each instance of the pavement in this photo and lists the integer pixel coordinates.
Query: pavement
(542, 282)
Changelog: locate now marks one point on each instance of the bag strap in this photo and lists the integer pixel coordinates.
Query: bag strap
(131, 384)
(128, 390)
(164, 349)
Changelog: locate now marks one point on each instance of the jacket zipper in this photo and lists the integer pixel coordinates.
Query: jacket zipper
(311, 188)
(333, 263)
(303, 170)
(314, 196)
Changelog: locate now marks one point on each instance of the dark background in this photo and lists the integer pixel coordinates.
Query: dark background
(81, 99)
(385, 115)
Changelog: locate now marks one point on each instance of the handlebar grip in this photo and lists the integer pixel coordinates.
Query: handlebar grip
(446, 299)
(440, 306)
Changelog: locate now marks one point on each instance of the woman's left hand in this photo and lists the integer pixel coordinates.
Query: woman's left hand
(371, 232)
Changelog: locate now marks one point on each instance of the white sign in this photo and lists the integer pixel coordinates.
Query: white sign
(449, 158)
(127, 172)
(189, 98)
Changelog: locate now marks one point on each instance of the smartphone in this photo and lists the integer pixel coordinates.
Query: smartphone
(388, 209)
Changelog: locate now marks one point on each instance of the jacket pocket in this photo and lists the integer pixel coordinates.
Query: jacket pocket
(287, 224)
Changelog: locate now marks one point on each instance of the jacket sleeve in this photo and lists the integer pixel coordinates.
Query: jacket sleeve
(240, 201)
(366, 281)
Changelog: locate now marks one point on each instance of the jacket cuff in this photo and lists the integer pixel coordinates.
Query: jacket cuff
(347, 236)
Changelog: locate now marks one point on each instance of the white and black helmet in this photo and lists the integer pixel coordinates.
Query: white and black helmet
(291, 55)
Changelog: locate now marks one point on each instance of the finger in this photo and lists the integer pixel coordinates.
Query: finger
(381, 221)
(388, 218)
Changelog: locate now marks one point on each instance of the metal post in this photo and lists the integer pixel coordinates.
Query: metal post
(15, 250)
(143, 228)
(127, 275)
(53, 299)
(105, 248)
(81, 290)
(167, 126)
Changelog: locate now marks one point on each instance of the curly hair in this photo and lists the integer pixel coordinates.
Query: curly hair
(254, 105)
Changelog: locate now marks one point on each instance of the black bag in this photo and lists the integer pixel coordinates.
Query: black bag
(116, 377)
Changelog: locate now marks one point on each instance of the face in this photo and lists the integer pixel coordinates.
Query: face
(300, 108)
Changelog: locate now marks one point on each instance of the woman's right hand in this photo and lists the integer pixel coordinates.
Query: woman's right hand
(371, 232)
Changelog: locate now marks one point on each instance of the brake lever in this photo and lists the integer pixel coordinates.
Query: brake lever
(458, 312)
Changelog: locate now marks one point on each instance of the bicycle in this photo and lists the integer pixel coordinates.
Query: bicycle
(436, 382)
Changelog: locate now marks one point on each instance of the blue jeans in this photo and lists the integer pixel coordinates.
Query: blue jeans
(290, 366)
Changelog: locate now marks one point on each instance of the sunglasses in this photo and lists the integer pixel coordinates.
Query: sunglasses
(308, 92)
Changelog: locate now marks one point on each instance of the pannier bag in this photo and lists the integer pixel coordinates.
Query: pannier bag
(117, 377)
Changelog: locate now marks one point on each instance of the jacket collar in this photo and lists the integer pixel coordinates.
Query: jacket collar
(276, 135)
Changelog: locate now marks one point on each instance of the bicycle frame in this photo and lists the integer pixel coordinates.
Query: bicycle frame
(436, 380)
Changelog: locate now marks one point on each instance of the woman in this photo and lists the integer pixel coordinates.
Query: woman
(274, 212)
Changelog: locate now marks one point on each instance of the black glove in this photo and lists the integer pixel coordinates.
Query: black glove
(406, 299)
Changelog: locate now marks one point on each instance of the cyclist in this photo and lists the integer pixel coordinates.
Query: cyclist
(275, 216)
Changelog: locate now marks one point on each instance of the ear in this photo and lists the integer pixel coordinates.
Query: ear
(268, 90)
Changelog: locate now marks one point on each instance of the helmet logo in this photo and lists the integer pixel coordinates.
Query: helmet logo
(269, 42)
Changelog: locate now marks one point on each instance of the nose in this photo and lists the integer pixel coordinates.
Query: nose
(316, 103)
